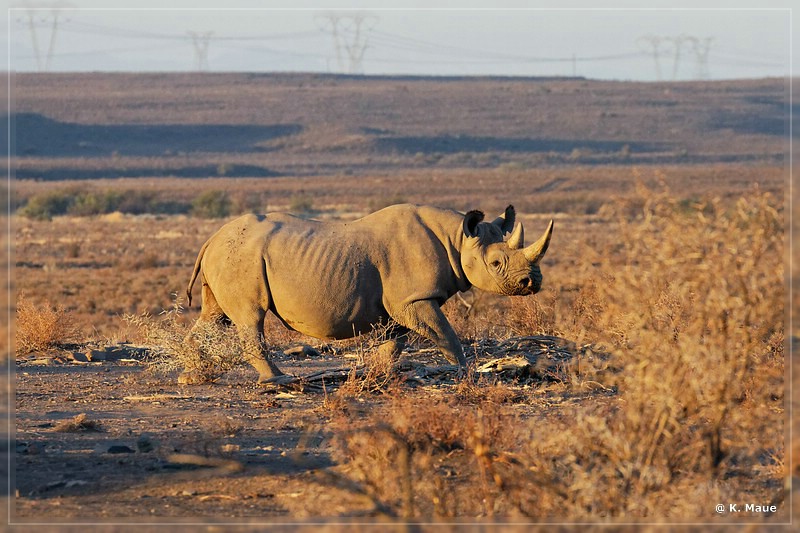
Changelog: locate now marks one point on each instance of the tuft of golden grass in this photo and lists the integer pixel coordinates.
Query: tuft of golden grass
(534, 316)
(42, 327)
(215, 348)
(78, 423)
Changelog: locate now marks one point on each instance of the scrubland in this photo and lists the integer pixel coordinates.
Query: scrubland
(665, 285)
(679, 402)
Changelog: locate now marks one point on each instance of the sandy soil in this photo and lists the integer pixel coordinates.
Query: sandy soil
(150, 448)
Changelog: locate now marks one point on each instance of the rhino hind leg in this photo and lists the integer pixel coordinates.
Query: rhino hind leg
(397, 337)
(392, 348)
(255, 350)
(211, 315)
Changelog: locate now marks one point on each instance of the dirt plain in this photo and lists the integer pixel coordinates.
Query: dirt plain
(147, 450)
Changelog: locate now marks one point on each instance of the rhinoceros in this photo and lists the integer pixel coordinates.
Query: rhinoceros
(337, 280)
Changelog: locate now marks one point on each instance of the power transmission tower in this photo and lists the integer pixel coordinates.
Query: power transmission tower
(655, 43)
(333, 19)
(677, 44)
(350, 34)
(701, 50)
(46, 16)
(200, 40)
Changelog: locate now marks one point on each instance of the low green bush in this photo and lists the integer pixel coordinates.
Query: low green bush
(212, 204)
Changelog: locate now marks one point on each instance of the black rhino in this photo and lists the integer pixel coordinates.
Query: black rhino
(338, 280)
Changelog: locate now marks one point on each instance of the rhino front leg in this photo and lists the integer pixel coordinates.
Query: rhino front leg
(426, 318)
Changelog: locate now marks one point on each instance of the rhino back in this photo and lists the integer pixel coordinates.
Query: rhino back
(334, 280)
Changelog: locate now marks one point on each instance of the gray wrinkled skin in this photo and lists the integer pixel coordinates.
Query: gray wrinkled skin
(337, 280)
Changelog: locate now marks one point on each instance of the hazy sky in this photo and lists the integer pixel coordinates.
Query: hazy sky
(634, 40)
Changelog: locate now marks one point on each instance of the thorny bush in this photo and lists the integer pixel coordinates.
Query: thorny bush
(42, 327)
(689, 302)
(215, 349)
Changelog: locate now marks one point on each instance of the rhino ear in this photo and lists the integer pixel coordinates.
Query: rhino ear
(471, 221)
(506, 220)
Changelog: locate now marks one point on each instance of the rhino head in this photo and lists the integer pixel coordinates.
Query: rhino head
(502, 266)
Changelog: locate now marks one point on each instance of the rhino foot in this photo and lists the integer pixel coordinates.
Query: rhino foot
(283, 381)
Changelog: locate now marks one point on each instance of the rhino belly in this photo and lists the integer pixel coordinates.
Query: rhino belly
(340, 318)
(336, 301)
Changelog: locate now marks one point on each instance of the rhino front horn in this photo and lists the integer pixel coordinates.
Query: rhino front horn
(536, 251)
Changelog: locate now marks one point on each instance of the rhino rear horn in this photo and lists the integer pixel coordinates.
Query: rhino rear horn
(517, 238)
(536, 251)
(506, 220)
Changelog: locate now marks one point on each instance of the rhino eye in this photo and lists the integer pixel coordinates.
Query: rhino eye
(495, 263)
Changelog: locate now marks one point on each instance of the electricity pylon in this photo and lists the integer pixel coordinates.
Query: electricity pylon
(701, 50)
(200, 40)
(350, 34)
(677, 45)
(46, 15)
(655, 43)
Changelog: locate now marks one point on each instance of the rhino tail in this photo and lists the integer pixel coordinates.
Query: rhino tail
(195, 273)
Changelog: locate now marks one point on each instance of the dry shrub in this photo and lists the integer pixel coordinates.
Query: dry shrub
(375, 367)
(77, 423)
(689, 306)
(42, 327)
(424, 457)
(534, 315)
(215, 348)
(477, 388)
(477, 314)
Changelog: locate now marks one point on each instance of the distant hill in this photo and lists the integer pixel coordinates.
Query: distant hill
(69, 126)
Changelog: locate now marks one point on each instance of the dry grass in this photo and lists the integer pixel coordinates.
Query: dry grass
(128, 264)
(689, 310)
(685, 298)
(374, 369)
(215, 350)
(78, 423)
(427, 457)
(42, 327)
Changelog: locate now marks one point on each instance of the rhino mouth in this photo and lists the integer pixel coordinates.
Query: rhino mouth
(522, 287)
(519, 291)
(525, 292)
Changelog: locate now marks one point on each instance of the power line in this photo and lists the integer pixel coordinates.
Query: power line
(90, 53)
(403, 43)
(354, 33)
(88, 27)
